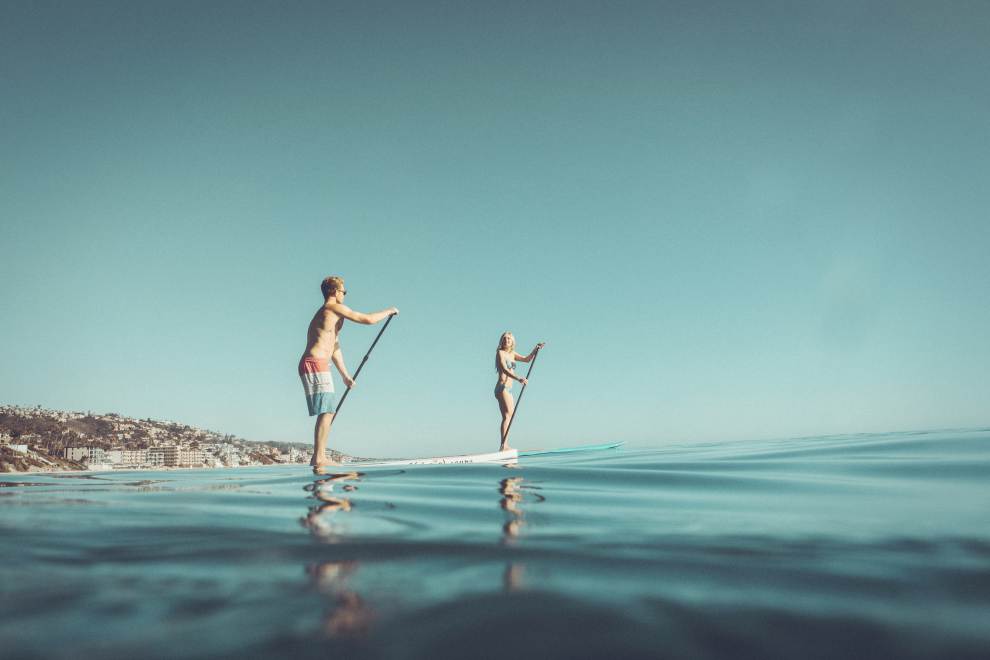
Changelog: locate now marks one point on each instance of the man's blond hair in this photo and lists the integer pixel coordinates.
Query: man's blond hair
(331, 285)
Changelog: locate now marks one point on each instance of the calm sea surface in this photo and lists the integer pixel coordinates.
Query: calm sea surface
(841, 546)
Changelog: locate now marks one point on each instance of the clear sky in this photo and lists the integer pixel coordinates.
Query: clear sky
(728, 220)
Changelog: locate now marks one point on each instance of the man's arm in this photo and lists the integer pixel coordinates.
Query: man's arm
(338, 361)
(360, 317)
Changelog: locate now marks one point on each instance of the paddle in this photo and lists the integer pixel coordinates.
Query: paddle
(340, 405)
(519, 400)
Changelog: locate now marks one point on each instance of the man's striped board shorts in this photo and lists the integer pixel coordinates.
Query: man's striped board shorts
(318, 385)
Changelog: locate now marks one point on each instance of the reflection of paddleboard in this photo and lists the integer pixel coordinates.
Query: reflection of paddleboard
(570, 450)
(495, 457)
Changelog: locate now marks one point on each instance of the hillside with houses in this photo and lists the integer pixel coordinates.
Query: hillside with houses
(37, 439)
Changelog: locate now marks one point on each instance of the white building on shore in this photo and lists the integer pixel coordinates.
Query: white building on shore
(98, 455)
(133, 457)
(77, 454)
(191, 457)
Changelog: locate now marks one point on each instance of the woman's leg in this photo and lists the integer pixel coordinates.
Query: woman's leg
(506, 406)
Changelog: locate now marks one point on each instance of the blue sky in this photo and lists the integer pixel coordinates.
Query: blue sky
(728, 220)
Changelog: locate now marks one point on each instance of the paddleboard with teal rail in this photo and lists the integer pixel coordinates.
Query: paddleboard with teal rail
(494, 457)
(570, 450)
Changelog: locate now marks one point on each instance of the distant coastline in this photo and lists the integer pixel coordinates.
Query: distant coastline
(36, 439)
(88, 471)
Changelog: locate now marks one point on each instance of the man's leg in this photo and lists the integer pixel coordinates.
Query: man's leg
(320, 434)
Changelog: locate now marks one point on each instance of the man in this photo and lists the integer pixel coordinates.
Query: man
(322, 347)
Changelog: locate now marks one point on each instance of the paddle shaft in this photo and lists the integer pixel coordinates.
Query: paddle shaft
(519, 400)
(361, 366)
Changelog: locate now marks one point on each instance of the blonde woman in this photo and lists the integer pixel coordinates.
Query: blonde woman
(505, 364)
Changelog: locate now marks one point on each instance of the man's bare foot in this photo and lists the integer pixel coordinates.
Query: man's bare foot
(505, 447)
(322, 461)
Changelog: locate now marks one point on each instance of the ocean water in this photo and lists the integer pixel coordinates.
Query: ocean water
(844, 546)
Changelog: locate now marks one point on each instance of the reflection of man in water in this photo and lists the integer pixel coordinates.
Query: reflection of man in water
(348, 616)
(318, 520)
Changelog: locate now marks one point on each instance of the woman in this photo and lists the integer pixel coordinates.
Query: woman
(505, 364)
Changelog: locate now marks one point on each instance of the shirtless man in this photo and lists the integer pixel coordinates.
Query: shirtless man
(322, 347)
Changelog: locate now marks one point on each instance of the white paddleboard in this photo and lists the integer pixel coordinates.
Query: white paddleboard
(494, 457)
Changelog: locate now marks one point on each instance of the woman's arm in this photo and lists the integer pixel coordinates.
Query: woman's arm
(532, 354)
